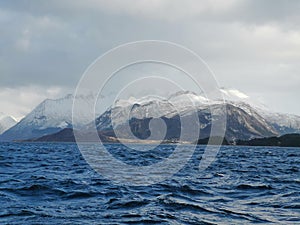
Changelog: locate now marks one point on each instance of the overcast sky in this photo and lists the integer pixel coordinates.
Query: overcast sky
(45, 46)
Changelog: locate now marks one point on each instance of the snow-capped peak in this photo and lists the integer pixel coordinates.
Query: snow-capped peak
(132, 100)
(1, 115)
(56, 112)
(241, 100)
(178, 97)
(233, 94)
(184, 96)
(6, 122)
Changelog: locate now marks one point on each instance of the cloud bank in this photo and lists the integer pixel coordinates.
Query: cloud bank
(250, 45)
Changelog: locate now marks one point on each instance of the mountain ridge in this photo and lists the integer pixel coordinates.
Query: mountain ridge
(244, 121)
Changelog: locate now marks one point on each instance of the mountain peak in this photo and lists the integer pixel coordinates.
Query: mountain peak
(179, 93)
(6, 122)
(233, 94)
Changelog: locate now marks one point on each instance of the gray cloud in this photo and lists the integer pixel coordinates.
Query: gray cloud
(250, 45)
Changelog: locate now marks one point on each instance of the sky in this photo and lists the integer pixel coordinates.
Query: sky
(45, 46)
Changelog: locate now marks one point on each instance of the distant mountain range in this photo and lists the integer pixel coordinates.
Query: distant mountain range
(245, 119)
(6, 122)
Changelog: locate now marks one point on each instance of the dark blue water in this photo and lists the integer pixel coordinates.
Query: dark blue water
(52, 184)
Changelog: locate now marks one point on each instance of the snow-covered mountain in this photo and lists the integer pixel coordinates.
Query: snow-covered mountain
(243, 121)
(151, 107)
(48, 117)
(240, 124)
(246, 118)
(6, 122)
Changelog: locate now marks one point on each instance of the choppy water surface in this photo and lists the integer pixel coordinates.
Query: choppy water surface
(52, 184)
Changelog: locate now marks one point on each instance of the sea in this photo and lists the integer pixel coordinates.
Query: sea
(51, 183)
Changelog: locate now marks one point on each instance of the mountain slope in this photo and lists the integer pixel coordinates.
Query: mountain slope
(283, 123)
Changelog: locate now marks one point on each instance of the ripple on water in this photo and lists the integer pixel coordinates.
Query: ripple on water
(52, 184)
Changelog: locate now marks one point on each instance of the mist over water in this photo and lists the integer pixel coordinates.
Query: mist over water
(44, 183)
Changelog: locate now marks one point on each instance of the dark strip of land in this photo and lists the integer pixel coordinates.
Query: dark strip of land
(288, 140)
